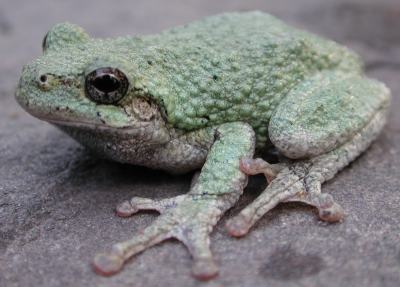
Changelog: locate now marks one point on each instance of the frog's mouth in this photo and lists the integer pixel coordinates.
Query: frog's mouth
(89, 125)
(103, 122)
(89, 116)
(59, 119)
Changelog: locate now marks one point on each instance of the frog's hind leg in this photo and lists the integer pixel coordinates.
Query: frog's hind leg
(301, 180)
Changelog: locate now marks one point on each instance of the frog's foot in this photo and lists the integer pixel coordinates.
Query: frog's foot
(293, 183)
(188, 218)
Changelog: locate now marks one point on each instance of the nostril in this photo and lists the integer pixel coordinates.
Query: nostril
(44, 82)
(43, 79)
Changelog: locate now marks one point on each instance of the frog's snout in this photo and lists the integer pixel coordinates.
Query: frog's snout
(23, 87)
(20, 91)
(30, 90)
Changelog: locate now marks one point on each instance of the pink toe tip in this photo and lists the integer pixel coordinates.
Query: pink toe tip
(204, 270)
(125, 209)
(237, 226)
(107, 264)
(332, 214)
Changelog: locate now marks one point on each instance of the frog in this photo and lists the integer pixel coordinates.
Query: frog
(214, 98)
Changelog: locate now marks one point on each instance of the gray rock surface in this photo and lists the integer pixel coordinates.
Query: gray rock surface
(56, 200)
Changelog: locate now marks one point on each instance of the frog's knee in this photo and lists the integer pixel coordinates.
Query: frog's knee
(295, 141)
(325, 112)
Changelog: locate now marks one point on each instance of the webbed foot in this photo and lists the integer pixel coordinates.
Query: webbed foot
(290, 182)
(188, 218)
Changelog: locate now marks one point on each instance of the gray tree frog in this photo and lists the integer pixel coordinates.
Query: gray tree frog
(209, 96)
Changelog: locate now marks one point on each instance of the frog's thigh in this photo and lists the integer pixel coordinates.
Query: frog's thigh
(324, 112)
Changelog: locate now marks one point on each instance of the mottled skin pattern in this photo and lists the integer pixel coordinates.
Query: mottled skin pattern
(209, 95)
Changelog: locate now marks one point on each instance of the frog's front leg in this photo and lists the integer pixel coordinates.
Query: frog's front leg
(322, 125)
(191, 217)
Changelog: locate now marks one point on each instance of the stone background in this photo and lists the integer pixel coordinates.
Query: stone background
(56, 200)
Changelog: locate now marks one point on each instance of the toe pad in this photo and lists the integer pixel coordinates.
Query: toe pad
(107, 264)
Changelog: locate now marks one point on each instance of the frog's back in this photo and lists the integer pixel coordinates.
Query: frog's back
(238, 66)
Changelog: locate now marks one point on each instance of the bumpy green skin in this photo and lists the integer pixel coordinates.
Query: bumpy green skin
(206, 95)
(331, 106)
(235, 67)
(220, 69)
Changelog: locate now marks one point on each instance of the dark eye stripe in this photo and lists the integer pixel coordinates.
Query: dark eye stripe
(106, 85)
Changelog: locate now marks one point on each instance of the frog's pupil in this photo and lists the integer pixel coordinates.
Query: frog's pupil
(106, 83)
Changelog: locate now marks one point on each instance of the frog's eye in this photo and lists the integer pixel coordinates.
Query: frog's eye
(106, 85)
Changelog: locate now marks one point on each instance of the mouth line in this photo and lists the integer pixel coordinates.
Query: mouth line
(87, 125)
(81, 124)
(99, 126)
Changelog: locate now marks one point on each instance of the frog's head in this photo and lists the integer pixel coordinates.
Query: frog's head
(90, 86)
